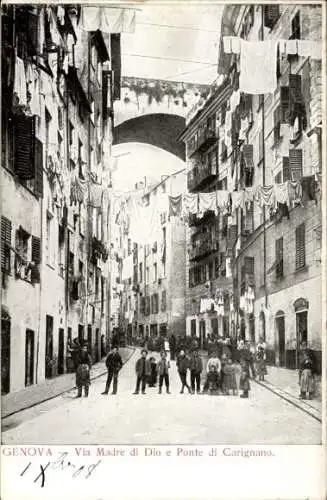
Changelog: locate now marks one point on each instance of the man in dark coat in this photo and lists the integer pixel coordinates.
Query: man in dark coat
(182, 366)
(143, 370)
(114, 364)
(172, 344)
(196, 367)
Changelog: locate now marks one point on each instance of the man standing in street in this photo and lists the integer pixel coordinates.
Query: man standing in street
(196, 367)
(182, 366)
(163, 367)
(143, 370)
(114, 364)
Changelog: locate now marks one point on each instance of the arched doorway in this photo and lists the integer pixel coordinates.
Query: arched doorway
(301, 307)
(280, 338)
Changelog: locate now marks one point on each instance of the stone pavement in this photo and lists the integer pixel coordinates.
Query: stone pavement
(50, 388)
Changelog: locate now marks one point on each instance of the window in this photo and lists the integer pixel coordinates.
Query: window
(279, 258)
(147, 275)
(247, 165)
(80, 268)
(61, 251)
(97, 282)
(50, 243)
(6, 229)
(295, 164)
(141, 272)
(278, 178)
(71, 263)
(300, 247)
(164, 301)
(216, 267)
(277, 123)
(210, 269)
(22, 253)
(71, 133)
(193, 327)
(271, 15)
(296, 27)
(286, 169)
(155, 272)
(261, 147)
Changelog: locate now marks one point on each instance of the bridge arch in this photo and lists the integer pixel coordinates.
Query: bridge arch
(158, 129)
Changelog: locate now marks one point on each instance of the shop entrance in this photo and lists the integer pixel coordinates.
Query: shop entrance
(5, 356)
(280, 329)
(61, 344)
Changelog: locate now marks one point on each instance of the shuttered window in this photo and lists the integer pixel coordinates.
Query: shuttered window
(116, 64)
(271, 15)
(248, 156)
(38, 182)
(231, 235)
(36, 250)
(296, 164)
(164, 301)
(284, 104)
(249, 265)
(24, 131)
(6, 229)
(300, 246)
(105, 90)
(249, 222)
(279, 257)
(277, 122)
(286, 169)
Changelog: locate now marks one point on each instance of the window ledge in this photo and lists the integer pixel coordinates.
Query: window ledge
(301, 270)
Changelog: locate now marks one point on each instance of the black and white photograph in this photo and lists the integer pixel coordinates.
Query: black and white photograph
(162, 232)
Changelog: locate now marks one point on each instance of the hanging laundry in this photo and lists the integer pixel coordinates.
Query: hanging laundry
(236, 44)
(295, 193)
(222, 199)
(258, 67)
(20, 82)
(238, 199)
(309, 48)
(207, 201)
(144, 222)
(190, 203)
(227, 43)
(205, 305)
(96, 191)
(235, 100)
(249, 195)
(61, 15)
(282, 46)
(175, 205)
(108, 19)
(282, 195)
(265, 196)
(291, 47)
(163, 203)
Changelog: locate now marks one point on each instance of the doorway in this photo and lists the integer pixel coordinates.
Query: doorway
(89, 340)
(280, 328)
(301, 332)
(81, 334)
(97, 344)
(5, 356)
(61, 344)
(48, 346)
(29, 358)
(202, 330)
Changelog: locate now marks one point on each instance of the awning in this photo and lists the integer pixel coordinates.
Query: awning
(108, 19)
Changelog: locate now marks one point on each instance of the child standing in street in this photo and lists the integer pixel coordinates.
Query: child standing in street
(230, 378)
(163, 371)
(245, 380)
(306, 377)
(142, 369)
(83, 373)
(212, 383)
(153, 372)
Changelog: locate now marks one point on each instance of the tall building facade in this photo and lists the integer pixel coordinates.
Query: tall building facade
(153, 275)
(263, 144)
(57, 103)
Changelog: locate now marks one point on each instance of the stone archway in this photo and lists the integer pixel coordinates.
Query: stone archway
(160, 130)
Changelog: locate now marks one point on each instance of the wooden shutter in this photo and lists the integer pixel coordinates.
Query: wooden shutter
(279, 257)
(105, 89)
(38, 184)
(116, 63)
(295, 159)
(248, 155)
(295, 89)
(249, 265)
(284, 104)
(36, 250)
(24, 130)
(300, 246)
(286, 169)
(5, 239)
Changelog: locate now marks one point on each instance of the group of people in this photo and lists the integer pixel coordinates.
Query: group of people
(227, 370)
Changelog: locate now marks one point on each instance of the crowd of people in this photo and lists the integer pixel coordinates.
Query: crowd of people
(228, 369)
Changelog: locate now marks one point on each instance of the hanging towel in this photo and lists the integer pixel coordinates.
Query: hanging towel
(222, 198)
(190, 203)
(207, 201)
(227, 41)
(258, 64)
(205, 305)
(249, 195)
(175, 205)
(236, 44)
(291, 47)
(20, 82)
(163, 205)
(282, 46)
(309, 48)
(295, 192)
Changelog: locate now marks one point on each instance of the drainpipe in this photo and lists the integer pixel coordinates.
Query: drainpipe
(264, 179)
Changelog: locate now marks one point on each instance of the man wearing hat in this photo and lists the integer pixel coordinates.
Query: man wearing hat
(143, 370)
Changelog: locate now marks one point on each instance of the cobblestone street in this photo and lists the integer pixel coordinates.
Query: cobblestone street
(264, 418)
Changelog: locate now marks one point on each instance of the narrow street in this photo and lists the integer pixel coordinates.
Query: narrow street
(264, 418)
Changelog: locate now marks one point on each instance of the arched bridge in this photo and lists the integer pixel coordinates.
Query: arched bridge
(154, 112)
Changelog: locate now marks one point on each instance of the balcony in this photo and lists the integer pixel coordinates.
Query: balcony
(202, 246)
(195, 220)
(198, 177)
(206, 138)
